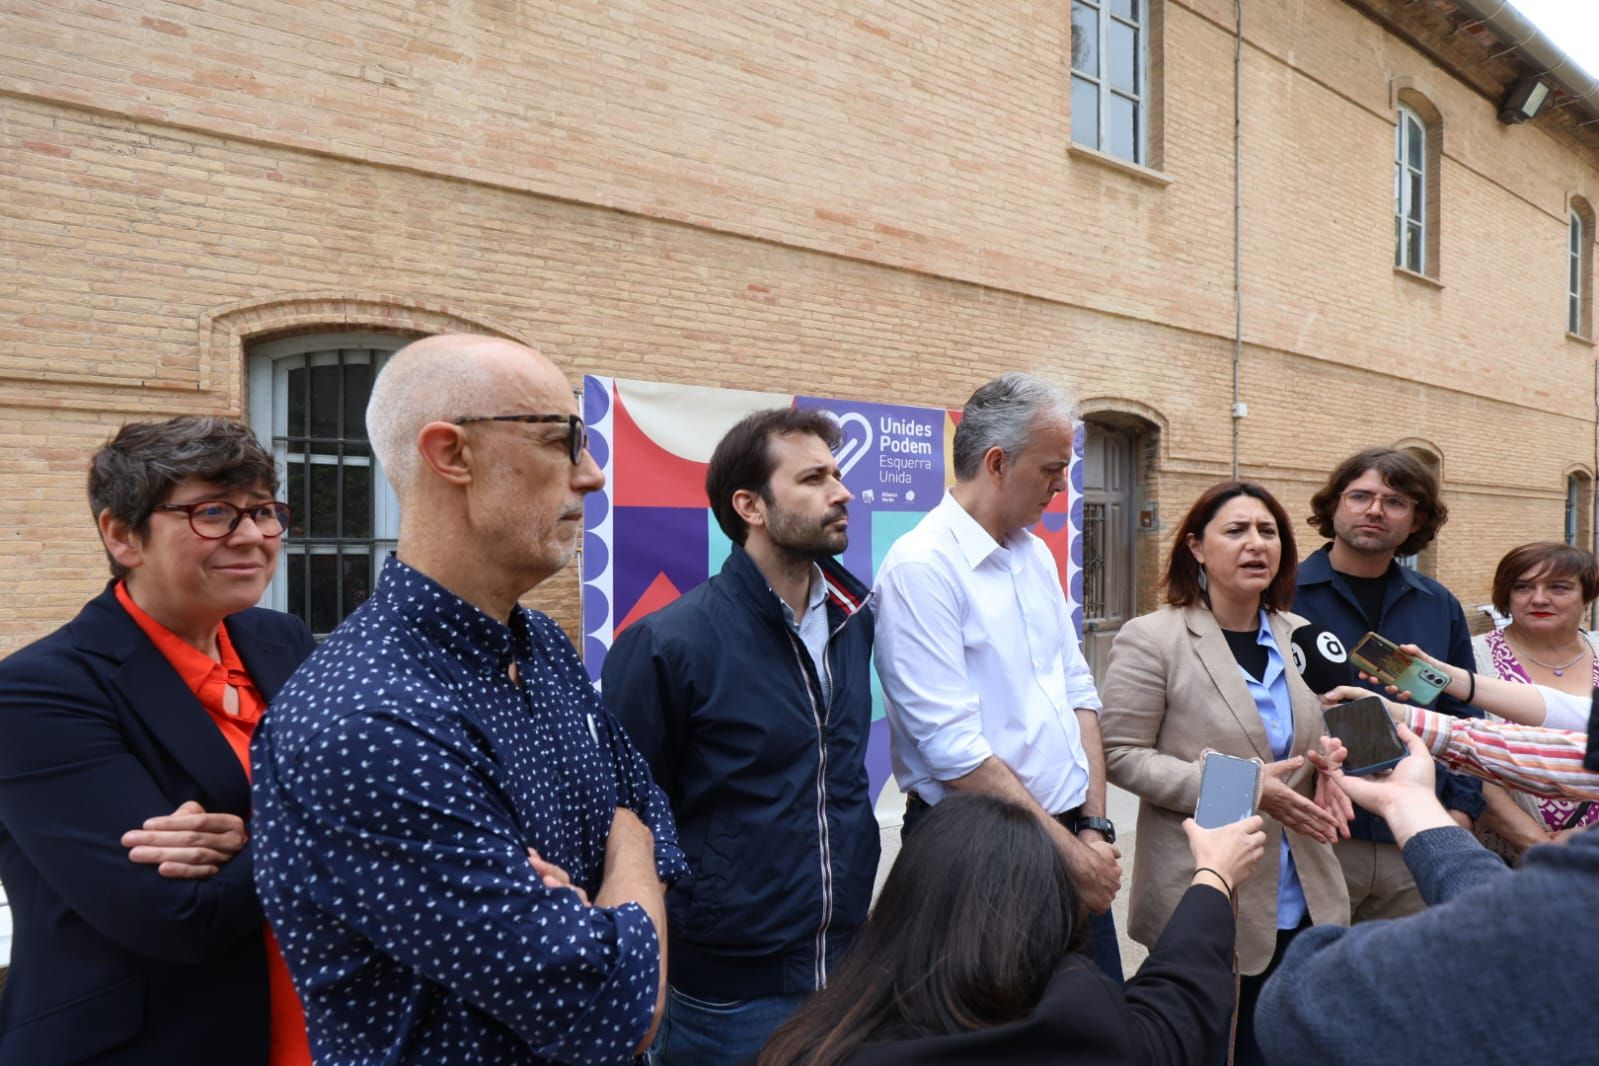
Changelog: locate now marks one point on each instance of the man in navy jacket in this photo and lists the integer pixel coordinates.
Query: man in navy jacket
(1377, 504)
(750, 697)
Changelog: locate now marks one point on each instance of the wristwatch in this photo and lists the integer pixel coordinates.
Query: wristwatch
(1104, 826)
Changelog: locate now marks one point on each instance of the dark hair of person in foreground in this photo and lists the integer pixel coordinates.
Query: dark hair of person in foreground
(975, 916)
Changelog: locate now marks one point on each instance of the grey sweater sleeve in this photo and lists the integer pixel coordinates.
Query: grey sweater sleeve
(1446, 862)
(1341, 992)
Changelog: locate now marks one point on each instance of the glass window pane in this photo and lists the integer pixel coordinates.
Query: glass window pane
(357, 580)
(1085, 39)
(1576, 235)
(1415, 199)
(1121, 57)
(1573, 315)
(1576, 276)
(323, 519)
(1085, 112)
(297, 379)
(324, 580)
(1127, 9)
(357, 390)
(1413, 248)
(1121, 133)
(1399, 241)
(357, 502)
(1415, 134)
(296, 567)
(325, 407)
(296, 499)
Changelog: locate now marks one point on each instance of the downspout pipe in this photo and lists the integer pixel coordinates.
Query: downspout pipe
(1512, 27)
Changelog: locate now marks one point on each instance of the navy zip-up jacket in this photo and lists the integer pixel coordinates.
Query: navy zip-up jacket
(1415, 610)
(768, 782)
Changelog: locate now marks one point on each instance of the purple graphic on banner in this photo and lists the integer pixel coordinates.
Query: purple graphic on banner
(892, 456)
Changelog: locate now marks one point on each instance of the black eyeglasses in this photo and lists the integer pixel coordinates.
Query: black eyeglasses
(215, 519)
(577, 438)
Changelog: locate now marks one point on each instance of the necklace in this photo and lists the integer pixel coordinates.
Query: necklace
(1559, 671)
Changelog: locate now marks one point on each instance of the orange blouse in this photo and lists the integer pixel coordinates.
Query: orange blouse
(207, 679)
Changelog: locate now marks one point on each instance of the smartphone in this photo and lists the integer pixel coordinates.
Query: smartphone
(1227, 790)
(1367, 731)
(1382, 659)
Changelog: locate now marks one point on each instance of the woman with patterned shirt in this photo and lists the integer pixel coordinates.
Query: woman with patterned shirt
(1546, 588)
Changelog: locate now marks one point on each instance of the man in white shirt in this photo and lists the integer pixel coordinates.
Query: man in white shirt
(985, 687)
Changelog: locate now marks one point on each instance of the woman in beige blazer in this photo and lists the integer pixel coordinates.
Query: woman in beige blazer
(1212, 671)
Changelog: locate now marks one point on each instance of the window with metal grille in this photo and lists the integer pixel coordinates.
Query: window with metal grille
(308, 399)
(1093, 560)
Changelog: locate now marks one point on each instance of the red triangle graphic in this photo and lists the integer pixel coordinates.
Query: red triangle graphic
(660, 593)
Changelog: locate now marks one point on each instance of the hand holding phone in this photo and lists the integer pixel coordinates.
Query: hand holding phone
(1387, 662)
(1367, 733)
(1228, 788)
(1232, 852)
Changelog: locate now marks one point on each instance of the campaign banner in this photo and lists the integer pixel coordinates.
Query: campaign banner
(650, 536)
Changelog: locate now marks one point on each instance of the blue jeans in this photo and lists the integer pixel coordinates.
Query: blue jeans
(707, 1032)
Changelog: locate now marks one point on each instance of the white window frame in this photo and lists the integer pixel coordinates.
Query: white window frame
(1576, 233)
(268, 368)
(1101, 80)
(1402, 172)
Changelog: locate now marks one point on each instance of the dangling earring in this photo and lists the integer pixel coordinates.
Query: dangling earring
(1204, 582)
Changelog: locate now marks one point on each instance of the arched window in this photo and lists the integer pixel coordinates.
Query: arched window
(1579, 269)
(1410, 191)
(308, 397)
(1579, 509)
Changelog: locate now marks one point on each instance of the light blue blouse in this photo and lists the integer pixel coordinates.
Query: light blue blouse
(1277, 715)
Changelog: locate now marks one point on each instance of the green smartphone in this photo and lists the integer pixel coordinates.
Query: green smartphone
(1382, 659)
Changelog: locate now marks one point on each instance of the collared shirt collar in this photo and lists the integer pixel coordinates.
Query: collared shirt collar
(975, 542)
(815, 600)
(1317, 569)
(480, 642)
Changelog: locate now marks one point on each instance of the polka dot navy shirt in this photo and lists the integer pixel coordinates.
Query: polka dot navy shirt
(399, 778)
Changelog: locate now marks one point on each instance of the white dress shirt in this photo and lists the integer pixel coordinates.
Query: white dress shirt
(978, 657)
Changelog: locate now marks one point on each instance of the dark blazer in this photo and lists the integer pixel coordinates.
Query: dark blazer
(110, 961)
(1176, 1010)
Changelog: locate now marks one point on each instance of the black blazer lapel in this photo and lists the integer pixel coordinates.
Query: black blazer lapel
(152, 691)
(270, 658)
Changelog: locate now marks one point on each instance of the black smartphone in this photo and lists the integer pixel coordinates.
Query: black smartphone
(1227, 790)
(1367, 731)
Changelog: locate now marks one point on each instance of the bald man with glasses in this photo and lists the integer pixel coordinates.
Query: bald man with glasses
(463, 853)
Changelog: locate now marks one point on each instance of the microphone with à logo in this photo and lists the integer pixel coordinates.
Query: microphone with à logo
(1321, 658)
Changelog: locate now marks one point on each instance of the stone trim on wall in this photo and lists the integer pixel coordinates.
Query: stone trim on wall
(226, 331)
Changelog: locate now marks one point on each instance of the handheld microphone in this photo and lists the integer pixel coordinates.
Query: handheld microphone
(1321, 658)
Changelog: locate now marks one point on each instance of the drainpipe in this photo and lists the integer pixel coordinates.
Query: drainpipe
(1239, 408)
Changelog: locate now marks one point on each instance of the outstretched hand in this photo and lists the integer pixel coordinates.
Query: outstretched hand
(1329, 797)
(1295, 811)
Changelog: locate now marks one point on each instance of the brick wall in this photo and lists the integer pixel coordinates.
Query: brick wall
(791, 196)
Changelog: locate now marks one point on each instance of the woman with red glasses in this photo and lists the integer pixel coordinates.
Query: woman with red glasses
(124, 772)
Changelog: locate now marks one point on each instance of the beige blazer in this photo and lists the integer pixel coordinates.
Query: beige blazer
(1173, 689)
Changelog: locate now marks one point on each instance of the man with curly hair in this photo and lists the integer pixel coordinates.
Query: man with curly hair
(1378, 505)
